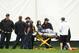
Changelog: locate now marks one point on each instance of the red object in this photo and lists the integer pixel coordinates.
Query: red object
(73, 49)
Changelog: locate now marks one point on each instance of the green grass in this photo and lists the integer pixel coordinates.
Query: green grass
(37, 50)
(55, 49)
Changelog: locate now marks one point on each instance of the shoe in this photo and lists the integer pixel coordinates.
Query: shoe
(70, 49)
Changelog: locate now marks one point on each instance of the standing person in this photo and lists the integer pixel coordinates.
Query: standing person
(7, 27)
(0, 32)
(64, 38)
(20, 32)
(47, 25)
(29, 31)
(0, 27)
(69, 37)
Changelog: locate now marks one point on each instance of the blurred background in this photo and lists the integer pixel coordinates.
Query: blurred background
(40, 9)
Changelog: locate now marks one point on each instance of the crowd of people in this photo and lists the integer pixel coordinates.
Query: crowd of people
(24, 31)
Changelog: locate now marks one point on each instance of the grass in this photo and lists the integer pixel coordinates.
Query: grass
(55, 49)
(37, 50)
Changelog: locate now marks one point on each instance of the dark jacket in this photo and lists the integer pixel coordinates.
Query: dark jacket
(46, 26)
(0, 27)
(20, 27)
(7, 25)
(69, 34)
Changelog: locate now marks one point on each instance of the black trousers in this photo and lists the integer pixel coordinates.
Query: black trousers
(28, 41)
(64, 43)
(19, 36)
(6, 43)
(69, 37)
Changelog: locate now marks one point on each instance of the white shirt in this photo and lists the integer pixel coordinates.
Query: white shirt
(64, 27)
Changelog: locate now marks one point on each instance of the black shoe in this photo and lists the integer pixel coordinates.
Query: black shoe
(7, 47)
(13, 47)
(1, 47)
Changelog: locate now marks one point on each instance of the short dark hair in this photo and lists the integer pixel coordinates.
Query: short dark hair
(20, 17)
(7, 14)
(63, 18)
(27, 18)
(38, 21)
(46, 19)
